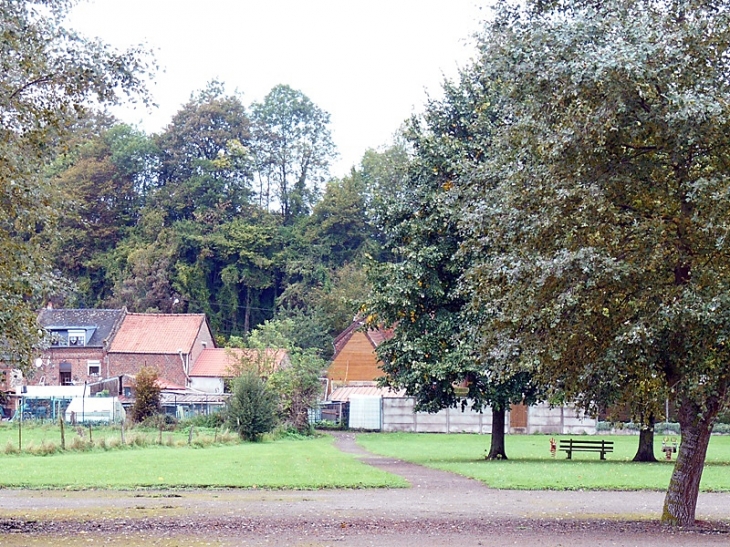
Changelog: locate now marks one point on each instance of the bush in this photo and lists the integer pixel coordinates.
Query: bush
(252, 408)
(146, 395)
(299, 387)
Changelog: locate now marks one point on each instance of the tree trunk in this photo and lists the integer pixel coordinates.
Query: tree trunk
(247, 311)
(680, 502)
(645, 453)
(496, 450)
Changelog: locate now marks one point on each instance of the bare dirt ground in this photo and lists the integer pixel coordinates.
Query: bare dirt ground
(439, 509)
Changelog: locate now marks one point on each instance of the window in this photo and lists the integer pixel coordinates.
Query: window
(76, 337)
(94, 368)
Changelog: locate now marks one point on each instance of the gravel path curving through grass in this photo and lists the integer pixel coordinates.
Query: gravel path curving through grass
(439, 509)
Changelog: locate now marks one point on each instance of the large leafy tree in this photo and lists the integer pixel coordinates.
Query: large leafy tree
(49, 77)
(417, 290)
(601, 216)
(204, 167)
(293, 148)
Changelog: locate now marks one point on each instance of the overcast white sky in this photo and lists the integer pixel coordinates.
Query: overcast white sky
(370, 63)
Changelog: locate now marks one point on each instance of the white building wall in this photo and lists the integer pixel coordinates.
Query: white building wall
(561, 420)
(398, 415)
(365, 412)
(206, 384)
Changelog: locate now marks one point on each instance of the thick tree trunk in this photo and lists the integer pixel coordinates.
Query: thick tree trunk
(680, 502)
(496, 450)
(645, 452)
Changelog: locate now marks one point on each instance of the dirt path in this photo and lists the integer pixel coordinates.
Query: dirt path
(439, 509)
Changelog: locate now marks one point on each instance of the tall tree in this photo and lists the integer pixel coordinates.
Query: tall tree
(101, 191)
(417, 290)
(204, 165)
(601, 217)
(49, 76)
(293, 148)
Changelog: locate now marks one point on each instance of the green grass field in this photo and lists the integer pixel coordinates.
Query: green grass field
(287, 463)
(310, 463)
(531, 467)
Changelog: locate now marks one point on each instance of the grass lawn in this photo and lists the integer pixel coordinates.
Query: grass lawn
(531, 467)
(287, 463)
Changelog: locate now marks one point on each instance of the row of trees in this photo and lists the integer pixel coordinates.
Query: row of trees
(562, 230)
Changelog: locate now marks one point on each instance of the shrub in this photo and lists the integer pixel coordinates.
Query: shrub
(146, 395)
(252, 408)
(299, 386)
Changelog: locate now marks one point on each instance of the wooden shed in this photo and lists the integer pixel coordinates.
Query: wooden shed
(355, 359)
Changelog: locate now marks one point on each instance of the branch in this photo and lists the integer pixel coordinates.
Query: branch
(37, 81)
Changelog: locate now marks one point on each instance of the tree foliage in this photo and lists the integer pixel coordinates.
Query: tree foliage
(204, 167)
(416, 289)
(49, 77)
(146, 395)
(252, 409)
(293, 148)
(600, 219)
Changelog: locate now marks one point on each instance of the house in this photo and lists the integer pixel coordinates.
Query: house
(170, 343)
(215, 366)
(76, 344)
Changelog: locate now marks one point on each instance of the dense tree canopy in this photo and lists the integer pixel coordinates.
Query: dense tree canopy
(171, 222)
(600, 218)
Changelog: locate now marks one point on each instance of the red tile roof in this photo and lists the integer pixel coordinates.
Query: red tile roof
(222, 362)
(157, 333)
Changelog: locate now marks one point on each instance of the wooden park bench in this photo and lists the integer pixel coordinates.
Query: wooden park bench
(584, 445)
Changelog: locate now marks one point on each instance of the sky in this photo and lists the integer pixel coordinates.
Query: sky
(369, 64)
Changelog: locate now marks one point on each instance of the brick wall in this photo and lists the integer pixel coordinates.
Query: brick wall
(168, 366)
(48, 373)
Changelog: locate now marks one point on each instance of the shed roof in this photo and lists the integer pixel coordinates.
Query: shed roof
(160, 333)
(222, 362)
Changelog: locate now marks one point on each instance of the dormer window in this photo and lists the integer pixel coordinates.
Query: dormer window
(58, 339)
(77, 338)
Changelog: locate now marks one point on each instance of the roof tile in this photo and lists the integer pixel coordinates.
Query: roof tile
(157, 333)
(222, 362)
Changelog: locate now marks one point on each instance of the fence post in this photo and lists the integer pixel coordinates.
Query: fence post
(63, 431)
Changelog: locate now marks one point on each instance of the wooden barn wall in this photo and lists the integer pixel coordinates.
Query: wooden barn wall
(356, 362)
